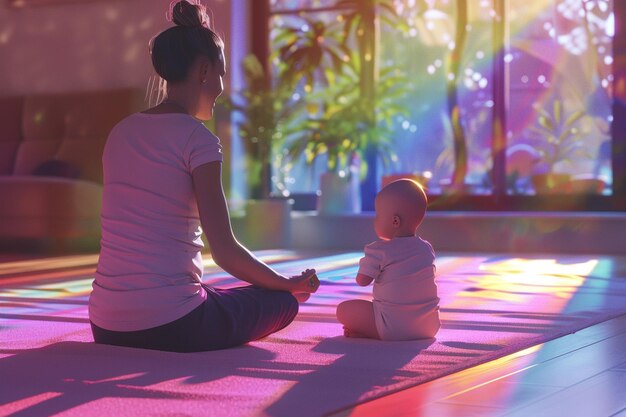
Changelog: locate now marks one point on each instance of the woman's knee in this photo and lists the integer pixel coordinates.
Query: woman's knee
(284, 303)
(293, 306)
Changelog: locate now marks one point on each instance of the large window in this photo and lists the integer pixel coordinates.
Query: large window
(506, 104)
(560, 71)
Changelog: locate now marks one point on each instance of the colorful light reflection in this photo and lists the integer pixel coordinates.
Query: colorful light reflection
(478, 319)
(556, 50)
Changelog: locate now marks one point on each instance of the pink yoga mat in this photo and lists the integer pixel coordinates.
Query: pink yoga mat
(491, 306)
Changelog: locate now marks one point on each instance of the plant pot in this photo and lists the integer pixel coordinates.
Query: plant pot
(304, 201)
(268, 223)
(586, 185)
(447, 188)
(551, 183)
(339, 194)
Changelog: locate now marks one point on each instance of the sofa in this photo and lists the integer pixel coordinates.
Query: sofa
(50, 162)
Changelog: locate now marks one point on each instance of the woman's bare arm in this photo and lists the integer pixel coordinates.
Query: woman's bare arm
(227, 252)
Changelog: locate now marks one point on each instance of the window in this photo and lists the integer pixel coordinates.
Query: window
(537, 92)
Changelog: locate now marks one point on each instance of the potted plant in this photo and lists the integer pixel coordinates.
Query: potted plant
(557, 139)
(341, 130)
(264, 112)
(351, 111)
(335, 134)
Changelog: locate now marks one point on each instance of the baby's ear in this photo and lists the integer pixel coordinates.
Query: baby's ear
(396, 221)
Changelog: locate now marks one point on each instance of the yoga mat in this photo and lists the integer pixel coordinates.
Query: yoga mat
(491, 306)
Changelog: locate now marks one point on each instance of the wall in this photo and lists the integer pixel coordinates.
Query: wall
(101, 44)
(87, 45)
(543, 233)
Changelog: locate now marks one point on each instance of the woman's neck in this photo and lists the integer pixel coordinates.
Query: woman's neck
(172, 106)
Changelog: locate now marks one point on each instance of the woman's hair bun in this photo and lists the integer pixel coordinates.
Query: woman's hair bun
(189, 13)
(174, 50)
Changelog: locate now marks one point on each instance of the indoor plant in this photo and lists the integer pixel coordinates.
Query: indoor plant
(350, 101)
(557, 140)
(264, 113)
(342, 129)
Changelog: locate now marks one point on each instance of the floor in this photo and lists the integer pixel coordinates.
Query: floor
(582, 374)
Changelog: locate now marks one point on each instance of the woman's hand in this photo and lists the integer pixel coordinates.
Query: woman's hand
(307, 282)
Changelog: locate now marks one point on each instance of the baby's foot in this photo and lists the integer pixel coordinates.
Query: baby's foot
(351, 333)
(302, 296)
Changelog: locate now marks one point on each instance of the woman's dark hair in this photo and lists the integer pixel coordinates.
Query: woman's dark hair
(175, 49)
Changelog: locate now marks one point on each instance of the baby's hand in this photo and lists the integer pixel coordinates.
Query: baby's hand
(363, 280)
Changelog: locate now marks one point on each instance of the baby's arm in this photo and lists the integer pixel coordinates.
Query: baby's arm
(369, 265)
(363, 280)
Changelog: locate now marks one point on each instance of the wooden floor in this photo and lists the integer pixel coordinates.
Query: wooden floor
(579, 375)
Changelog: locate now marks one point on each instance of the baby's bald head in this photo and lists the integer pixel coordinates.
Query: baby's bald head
(404, 198)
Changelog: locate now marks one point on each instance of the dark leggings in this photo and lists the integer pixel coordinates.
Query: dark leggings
(228, 317)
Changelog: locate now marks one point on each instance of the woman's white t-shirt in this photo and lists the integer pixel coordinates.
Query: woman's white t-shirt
(150, 266)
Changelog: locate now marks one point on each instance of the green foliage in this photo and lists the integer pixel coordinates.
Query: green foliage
(558, 135)
(311, 50)
(346, 123)
(266, 112)
(336, 117)
(348, 107)
(357, 9)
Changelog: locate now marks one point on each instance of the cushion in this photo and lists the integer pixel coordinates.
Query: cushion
(57, 168)
(32, 153)
(84, 154)
(69, 127)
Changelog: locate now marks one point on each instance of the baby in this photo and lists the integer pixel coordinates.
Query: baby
(401, 265)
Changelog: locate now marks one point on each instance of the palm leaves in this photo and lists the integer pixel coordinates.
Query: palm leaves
(310, 50)
(348, 122)
(558, 135)
(351, 106)
(354, 21)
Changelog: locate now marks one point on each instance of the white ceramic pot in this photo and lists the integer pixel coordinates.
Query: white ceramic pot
(339, 194)
(268, 224)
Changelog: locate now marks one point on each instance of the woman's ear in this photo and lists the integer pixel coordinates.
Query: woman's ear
(203, 71)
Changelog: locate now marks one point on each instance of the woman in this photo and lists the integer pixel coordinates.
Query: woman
(162, 181)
